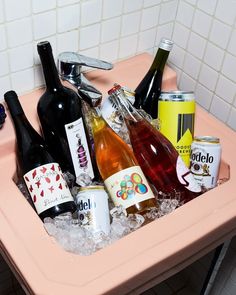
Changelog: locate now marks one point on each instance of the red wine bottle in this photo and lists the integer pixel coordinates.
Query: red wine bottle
(149, 89)
(59, 111)
(156, 155)
(42, 174)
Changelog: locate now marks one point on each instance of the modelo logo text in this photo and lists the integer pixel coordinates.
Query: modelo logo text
(198, 157)
(86, 205)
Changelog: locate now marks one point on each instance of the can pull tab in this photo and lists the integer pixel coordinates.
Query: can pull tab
(69, 68)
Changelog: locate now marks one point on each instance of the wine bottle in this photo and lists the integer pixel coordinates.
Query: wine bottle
(156, 155)
(41, 173)
(119, 169)
(59, 111)
(149, 89)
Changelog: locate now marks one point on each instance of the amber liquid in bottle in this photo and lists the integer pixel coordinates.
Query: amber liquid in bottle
(114, 155)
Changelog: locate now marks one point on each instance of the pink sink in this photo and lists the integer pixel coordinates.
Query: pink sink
(137, 261)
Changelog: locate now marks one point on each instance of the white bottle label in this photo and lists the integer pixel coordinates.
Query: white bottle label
(47, 187)
(128, 187)
(186, 177)
(79, 148)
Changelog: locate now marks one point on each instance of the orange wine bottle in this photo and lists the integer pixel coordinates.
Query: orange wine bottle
(119, 169)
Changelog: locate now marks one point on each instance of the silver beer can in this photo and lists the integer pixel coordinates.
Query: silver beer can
(205, 160)
(92, 208)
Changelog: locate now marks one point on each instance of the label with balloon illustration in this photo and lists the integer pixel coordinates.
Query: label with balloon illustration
(128, 187)
(47, 187)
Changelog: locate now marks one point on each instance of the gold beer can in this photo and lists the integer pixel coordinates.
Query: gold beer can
(176, 114)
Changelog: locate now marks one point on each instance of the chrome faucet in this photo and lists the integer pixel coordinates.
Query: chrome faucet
(69, 69)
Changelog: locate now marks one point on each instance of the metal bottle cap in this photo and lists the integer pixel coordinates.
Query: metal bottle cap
(166, 44)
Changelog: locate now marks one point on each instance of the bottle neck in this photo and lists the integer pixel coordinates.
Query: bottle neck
(50, 71)
(160, 60)
(98, 123)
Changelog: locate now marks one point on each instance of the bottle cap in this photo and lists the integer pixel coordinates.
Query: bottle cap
(114, 88)
(166, 44)
(13, 103)
(43, 46)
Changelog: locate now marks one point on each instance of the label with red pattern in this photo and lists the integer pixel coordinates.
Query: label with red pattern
(47, 187)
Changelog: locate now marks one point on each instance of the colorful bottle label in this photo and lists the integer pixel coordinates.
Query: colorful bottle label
(47, 187)
(186, 177)
(79, 148)
(128, 187)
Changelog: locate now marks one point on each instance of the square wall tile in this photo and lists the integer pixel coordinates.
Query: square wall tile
(226, 89)
(208, 77)
(16, 9)
(164, 31)
(146, 40)
(231, 122)
(214, 56)
(177, 56)
(3, 40)
(68, 41)
(148, 3)
(180, 35)
(66, 2)
(21, 57)
(150, 17)
(130, 23)
(1, 12)
(89, 36)
(168, 12)
(203, 96)
(191, 66)
(109, 51)
(44, 24)
(91, 52)
(207, 5)
(112, 8)
(128, 46)
(130, 6)
(38, 76)
(196, 45)
(4, 68)
(5, 85)
(110, 29)
(19, 32)
(68, 18)
(43, 5)
(193, 2)
(202, 23)
(187, 83)
(220, 33)
(220, 108)
(91, 12)
(226, 11)
(229, 67)
(23, 80)
(232, 43)
(185, 13)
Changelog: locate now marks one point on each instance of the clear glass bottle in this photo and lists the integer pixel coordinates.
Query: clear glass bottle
(157, 157)
(149, 89)
(119, 169)
(41, 173)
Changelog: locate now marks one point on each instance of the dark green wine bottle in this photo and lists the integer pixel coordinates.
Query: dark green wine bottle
(148, 91)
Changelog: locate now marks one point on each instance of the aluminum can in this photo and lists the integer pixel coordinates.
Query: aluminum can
(176, 114)
(92, 208)
(205, 160)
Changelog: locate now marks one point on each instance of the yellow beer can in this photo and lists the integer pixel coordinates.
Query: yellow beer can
(176, 114)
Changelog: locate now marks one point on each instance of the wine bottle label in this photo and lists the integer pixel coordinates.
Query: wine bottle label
(47, 187)
(79, 148)
(128, 187)
(186, 177)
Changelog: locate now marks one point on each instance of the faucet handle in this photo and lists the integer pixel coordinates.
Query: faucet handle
(69, 63)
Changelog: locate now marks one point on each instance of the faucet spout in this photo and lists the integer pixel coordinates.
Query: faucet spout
(69, 69)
